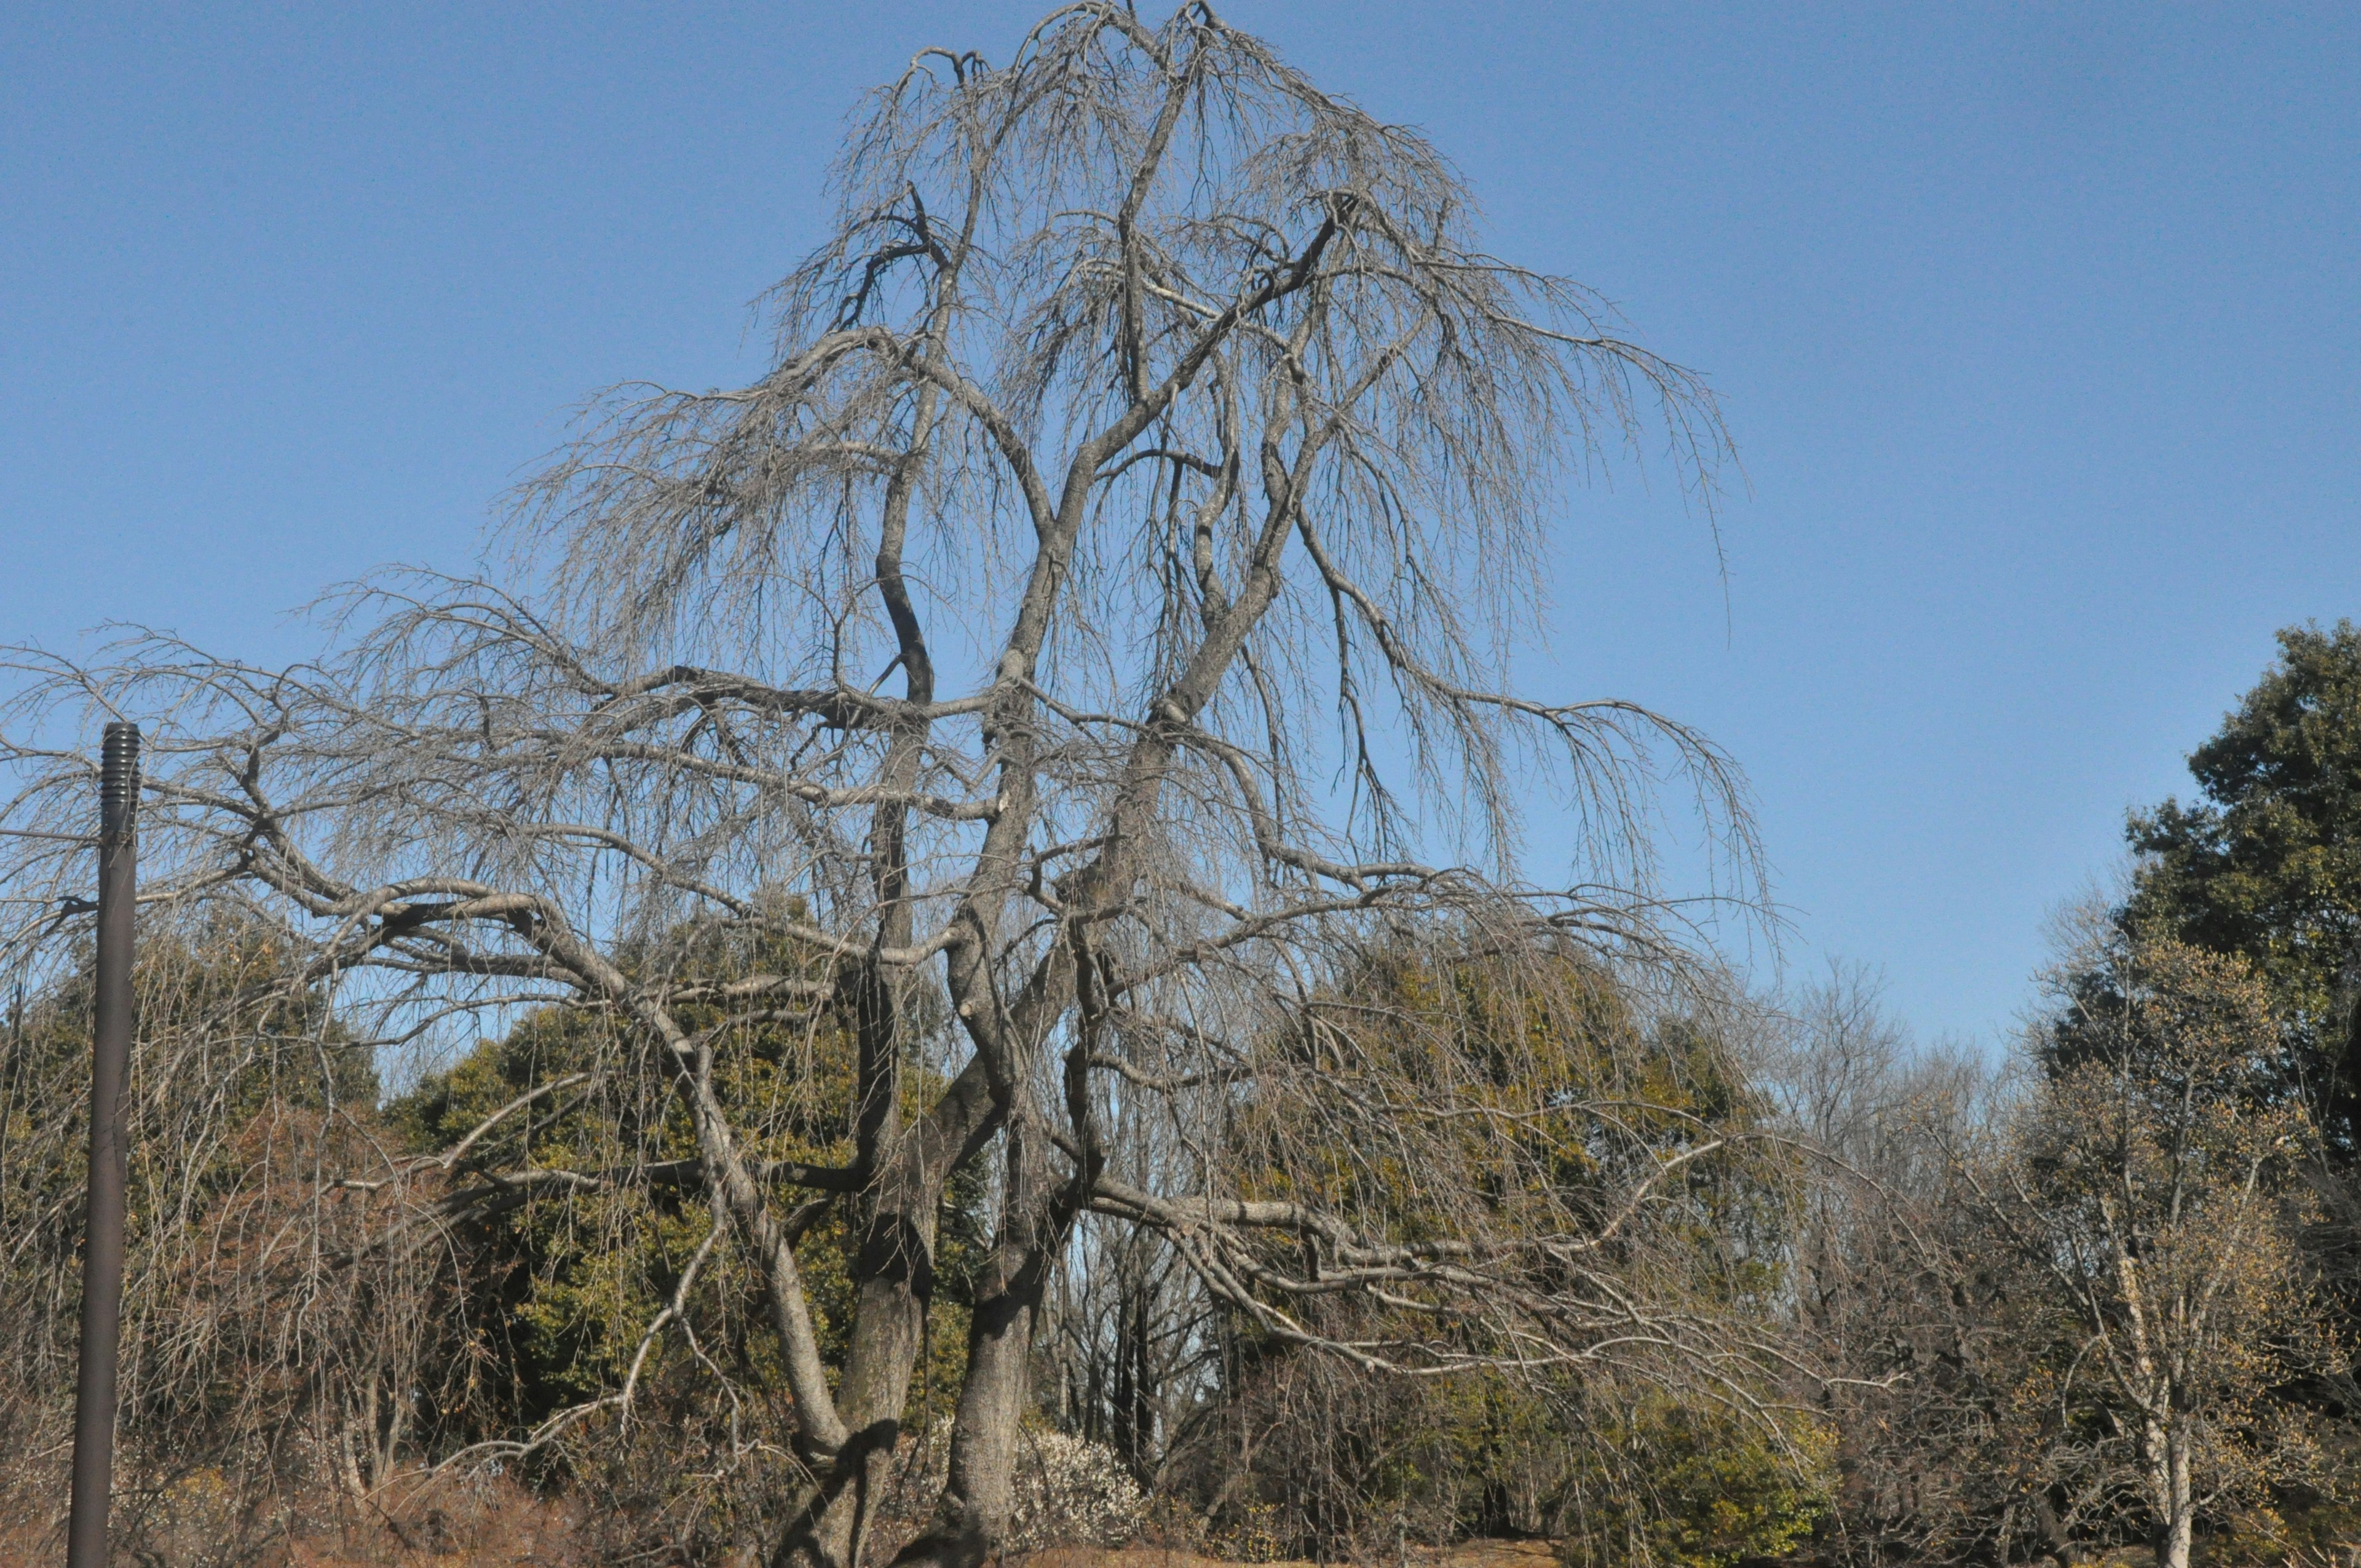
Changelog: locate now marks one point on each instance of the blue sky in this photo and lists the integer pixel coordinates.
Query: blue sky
(2036, 326)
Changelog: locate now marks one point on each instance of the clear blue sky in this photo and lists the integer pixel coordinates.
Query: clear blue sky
(2038, 327)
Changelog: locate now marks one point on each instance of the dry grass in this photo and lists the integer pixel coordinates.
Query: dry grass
(1466, 1555)
(497, 1524)
(503, 1525)
(195, 1526)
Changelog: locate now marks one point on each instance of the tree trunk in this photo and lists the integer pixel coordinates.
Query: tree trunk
(2173, 1548)
(894, 1276)
(1133, 1426)
(972, 1518)
(895, 1266)
(894, 1279)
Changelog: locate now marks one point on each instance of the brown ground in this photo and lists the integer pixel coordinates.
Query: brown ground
(1469, 1555)
(514, 1537)
(499, 1526)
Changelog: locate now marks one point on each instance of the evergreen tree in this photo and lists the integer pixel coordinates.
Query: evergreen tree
(2266, 863)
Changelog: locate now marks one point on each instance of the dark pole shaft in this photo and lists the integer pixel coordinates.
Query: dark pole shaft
(110, 1058)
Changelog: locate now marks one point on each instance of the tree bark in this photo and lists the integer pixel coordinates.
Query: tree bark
(972, 1518)
(2172, 1550)
(893, 1269)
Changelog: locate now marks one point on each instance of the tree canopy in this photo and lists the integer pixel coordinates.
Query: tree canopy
(1090, 635)
(2267, 862)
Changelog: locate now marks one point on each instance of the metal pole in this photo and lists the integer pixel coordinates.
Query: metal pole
(110, 1057)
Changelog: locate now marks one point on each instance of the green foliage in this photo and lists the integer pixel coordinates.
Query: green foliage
(570, 1278)
(1689, 1487)
(1549, 1091)
(573, 1276)
(2267, 864)
(1543, 1102)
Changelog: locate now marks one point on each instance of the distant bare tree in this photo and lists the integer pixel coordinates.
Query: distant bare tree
(2152, 1180)
(1147, 410)
(1892, 1280)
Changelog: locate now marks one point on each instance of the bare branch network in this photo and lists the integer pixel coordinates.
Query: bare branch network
(1096, 620)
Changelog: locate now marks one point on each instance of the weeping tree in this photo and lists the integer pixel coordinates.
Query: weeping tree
(1082, 648)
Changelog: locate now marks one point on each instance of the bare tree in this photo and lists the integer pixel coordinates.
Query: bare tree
(270, 1333)
(2153, 1180)
(1147, 409)
(1893, 1281)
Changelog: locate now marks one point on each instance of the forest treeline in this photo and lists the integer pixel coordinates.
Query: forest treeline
(2103, 1292)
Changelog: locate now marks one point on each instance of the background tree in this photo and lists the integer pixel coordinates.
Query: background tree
(2264, 866)
(266, 1332)
(1145, 404)
(1993, 1261)
(1894, 1283)
(2152, 1183)
(1573, 1110)
(560, 1284)
(2267, 864)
